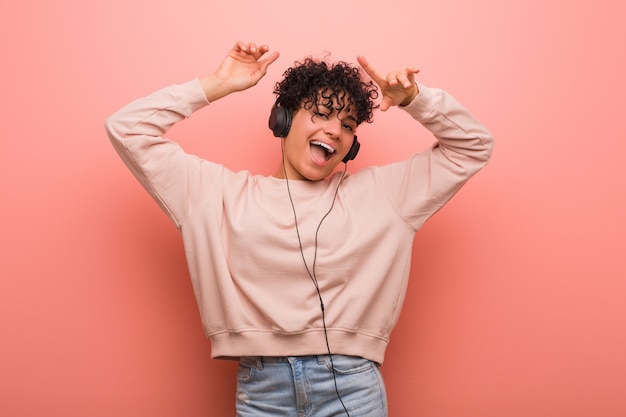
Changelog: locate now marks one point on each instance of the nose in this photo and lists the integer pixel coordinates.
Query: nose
(333, 127)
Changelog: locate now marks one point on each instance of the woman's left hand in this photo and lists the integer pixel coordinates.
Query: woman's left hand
(398, 88)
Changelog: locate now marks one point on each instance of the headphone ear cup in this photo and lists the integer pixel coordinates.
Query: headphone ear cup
(279, 121)
(354, 150)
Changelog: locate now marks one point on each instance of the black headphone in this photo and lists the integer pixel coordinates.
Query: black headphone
(280, 124)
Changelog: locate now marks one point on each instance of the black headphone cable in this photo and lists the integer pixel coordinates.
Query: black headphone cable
(311, 272)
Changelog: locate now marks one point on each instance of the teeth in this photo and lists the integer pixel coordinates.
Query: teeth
(323, 145)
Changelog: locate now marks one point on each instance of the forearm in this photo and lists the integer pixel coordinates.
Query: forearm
(137, 134)
(463, 138)
(155, 114)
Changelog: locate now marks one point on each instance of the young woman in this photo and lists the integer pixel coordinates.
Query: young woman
(301, 275)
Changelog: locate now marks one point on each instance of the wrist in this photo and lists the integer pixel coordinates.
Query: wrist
(214, 88)
(414, 92)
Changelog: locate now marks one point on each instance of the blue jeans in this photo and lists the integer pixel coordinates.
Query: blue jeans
(303, 386)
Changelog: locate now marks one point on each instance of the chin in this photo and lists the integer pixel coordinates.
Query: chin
(318, 172)
(322, 174)
(314, 178)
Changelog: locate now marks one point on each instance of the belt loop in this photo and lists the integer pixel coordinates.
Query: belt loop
(259, 363)
(321, 359)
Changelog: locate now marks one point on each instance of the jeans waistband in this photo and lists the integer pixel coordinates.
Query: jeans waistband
(280, 359)
(258, 361)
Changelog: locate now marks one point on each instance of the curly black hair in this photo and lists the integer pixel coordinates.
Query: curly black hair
(305, 82)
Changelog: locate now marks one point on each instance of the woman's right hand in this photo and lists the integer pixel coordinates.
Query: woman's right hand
(242, 68)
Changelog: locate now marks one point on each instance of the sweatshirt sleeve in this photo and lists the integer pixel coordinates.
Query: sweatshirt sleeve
(137, 133)
(419, 187)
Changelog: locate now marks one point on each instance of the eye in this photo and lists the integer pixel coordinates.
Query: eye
(321, 114)
(348, 127)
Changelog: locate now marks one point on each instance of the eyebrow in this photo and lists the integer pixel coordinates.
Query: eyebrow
(351, 117)
(333, 109)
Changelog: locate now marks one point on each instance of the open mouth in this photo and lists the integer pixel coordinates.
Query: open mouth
(321, 151)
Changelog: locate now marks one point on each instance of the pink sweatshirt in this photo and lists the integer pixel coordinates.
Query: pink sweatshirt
(253, 290)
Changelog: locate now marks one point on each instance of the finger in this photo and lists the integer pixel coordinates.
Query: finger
(369, 70)
(269, 59)
(405, 80)
(262, 50)
(259, 51)
(240, 47)
(392, 79)
(385, 103)
(249, 48)
(412, 70)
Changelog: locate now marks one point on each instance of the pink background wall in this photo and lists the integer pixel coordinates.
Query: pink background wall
(517, 301)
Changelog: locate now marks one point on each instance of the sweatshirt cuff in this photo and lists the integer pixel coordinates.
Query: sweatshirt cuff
(191, 96)
(424, 103)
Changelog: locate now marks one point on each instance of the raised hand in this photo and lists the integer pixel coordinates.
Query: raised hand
(398, 88)
(243, 67)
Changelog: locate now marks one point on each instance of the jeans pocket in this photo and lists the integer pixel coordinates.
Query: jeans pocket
(347, 365)
(245, 371)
